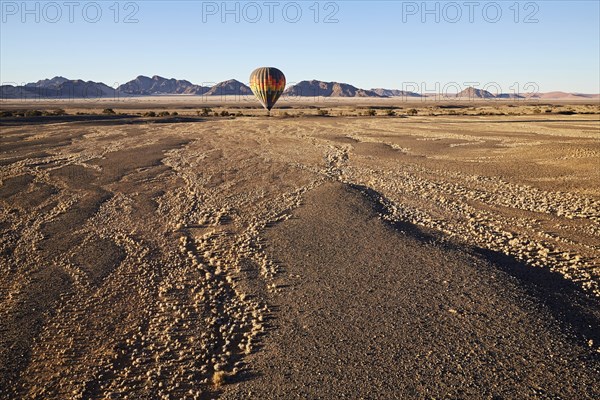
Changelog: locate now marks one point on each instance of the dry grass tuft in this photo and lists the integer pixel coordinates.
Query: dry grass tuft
(219, 378)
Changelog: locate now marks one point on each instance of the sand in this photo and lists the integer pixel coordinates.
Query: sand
(311, 257)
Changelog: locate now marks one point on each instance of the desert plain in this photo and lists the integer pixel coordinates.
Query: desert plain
(337, 249)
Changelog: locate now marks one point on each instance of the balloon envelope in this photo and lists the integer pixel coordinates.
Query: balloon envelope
(267, 84)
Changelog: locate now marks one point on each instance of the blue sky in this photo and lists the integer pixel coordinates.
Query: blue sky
(550, 45)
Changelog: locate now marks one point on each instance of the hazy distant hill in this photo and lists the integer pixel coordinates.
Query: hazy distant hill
(157, 85)
(509, 96)
(564, 96)
(327, 89)
(58, 87)
(16, 92)
(395, 93)
(473, 93)
(231, 87)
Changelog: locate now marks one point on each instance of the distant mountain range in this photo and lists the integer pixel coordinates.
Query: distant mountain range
(57, 87)
(327, 89)
(60, 87)
(395, 93)
(144, 86)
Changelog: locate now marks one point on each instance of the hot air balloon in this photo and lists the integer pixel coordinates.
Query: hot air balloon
(267, 84)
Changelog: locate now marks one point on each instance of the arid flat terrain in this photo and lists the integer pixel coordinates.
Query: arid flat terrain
(326, 252)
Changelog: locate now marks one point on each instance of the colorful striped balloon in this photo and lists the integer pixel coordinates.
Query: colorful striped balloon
(267, 84)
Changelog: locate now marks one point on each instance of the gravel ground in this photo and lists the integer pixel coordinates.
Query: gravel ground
(374, 311)
(379, 257)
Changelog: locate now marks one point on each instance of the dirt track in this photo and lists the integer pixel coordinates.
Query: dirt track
(147, 260)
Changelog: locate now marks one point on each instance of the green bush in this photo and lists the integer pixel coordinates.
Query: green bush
(205, 112)
(108, 111)
(33, 113)
(164, 114)
(225, 113)
(150, 114)
(412, 111)
(323, 113)
(5, 114)
(371, 112)
(390, 113)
